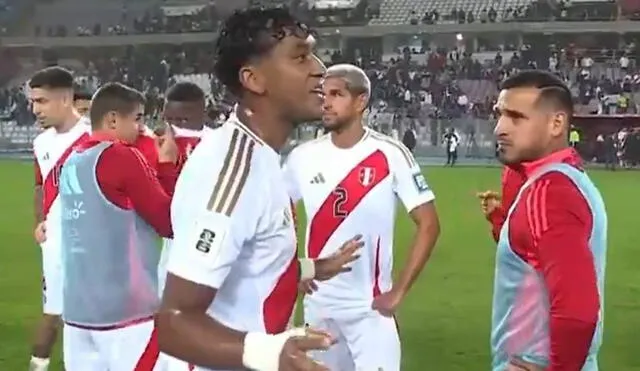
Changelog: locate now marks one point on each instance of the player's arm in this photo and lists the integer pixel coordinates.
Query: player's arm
(512, 181)
(201, 258)
(146, 144)
(126, 178)
(498, 215)
(561, 222)
(38, 193)
(414, 192)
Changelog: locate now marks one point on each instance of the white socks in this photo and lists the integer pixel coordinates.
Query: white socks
(38, 364)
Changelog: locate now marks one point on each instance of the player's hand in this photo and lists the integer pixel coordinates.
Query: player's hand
(307, 287)
(489, 201)
(517, 364)
(40, 233)
(331, 266)
(167, 147)
(294, 353)
(387, 303)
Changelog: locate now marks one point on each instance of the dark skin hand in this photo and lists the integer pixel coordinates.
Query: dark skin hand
(331, 266)
(186, 331)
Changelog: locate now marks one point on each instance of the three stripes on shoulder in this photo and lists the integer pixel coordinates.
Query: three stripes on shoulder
(234, 173)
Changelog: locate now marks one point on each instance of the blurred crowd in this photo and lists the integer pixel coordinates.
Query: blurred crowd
(160, 18)
(421, 89)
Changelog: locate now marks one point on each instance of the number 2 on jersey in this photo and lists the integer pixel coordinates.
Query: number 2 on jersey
(338, 204)
(55, 172)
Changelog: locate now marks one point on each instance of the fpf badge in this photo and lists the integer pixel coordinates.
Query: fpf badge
(367, 175)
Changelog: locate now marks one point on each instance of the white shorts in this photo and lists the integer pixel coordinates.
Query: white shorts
(366, 343)
(170, 363)
(131, 348)
(51, 278)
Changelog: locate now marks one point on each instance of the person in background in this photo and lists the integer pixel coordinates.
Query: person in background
(115, 207)
(82, 101)
(409, 139)
(51, 95)
(451, 141)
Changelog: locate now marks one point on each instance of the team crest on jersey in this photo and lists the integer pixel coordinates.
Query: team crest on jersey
(367, 175)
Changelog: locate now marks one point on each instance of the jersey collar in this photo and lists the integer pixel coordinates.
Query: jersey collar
(233, 119)
(188, 133)
(101, 136)
(568, 155)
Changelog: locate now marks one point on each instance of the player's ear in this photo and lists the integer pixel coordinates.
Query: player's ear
(252, 80)
(111, 119)
(361, 102)
(559, 123)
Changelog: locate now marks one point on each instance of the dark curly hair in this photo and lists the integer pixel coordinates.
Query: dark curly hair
(250, 33)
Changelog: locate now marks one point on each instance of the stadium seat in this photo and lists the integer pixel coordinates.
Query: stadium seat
(87, 13)
(401, 11)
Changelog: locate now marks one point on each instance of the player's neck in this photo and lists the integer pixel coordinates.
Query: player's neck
(267, 126)
(68, 123)
(348, 136)
(555, 147)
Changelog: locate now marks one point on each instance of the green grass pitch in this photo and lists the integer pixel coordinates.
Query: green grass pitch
(445, 319)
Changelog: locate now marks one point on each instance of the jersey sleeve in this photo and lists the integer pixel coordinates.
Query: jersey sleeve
(290, 176)
(215, 212)
(409, 183)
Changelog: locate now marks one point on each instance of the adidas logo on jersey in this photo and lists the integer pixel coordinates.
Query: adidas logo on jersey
(318, 179)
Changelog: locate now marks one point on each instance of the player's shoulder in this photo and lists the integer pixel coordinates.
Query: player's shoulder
(555, 188)
(556, 181)
(44, 138)
(226, 163)
(309, 147)
(393, 148)
(229, 147)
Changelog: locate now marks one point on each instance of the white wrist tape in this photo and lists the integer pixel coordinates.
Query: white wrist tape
(262, 351)
(307, 269)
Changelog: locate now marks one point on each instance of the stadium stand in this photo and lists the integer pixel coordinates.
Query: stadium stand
(422, 81)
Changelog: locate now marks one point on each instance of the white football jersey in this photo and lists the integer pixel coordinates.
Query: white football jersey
(186, 140)
(353, 191)
(51, 149)
(234, 230)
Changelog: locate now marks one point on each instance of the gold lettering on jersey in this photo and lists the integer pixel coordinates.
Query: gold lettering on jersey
(367, 175)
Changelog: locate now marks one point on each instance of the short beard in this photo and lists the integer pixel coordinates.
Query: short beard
(335, 127)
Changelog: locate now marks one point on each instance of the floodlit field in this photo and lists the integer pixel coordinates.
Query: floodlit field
(444, 321)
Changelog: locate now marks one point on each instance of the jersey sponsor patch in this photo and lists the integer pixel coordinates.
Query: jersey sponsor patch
(208, 234)
(420, 182)
(207, 238)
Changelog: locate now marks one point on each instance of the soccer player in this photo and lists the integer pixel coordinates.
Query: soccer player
(349, 181)
(233, 272)
(550, 263)
(51, 95)
(82, 101)
(184, 110)
(113, 208)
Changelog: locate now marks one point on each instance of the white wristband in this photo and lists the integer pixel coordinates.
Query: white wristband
(307, 269)
(262, 351)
